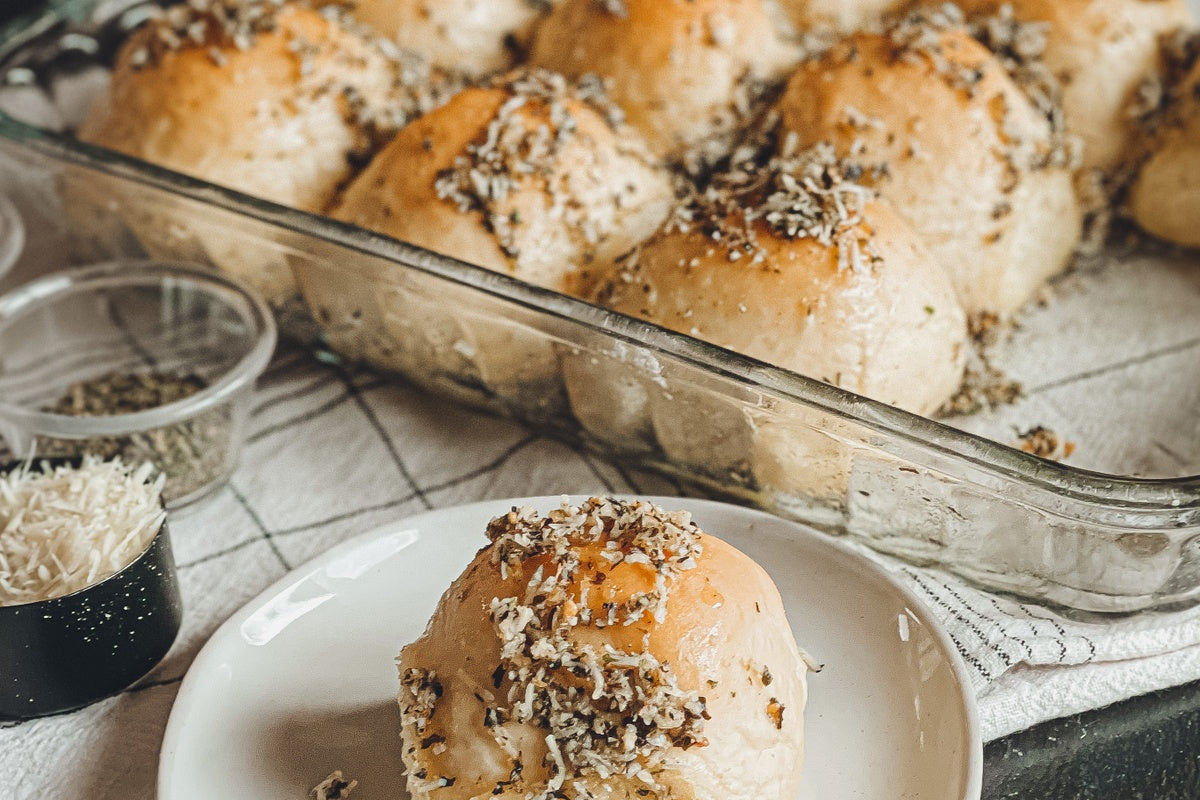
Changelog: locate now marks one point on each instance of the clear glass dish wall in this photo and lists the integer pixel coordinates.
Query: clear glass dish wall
(632, 392)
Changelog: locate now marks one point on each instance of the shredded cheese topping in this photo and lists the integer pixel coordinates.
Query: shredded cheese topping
(1020, 47)
(798, 194)
(918, 35)
(1159, 97)
(65, 528)
(606, 711)
(523, 145)
(603, 711)
(215, 23)
(334, 787)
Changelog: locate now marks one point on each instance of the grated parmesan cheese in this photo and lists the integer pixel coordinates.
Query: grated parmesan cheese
(65, 528)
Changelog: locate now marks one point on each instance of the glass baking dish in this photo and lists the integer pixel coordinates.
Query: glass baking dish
(1113, 358)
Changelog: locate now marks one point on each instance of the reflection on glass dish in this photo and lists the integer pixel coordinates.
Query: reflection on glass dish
(12, 235)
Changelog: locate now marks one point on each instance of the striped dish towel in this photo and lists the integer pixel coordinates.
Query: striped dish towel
(1029, 664)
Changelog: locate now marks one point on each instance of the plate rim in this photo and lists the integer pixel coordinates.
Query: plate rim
(973, 784)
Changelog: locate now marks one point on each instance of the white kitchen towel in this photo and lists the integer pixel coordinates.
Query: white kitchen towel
(1029, 664)
(332, 453)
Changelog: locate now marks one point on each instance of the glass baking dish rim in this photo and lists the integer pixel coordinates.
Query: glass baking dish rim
(1091, 487)
(132, 273)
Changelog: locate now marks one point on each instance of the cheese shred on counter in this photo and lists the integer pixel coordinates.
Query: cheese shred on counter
(65, 528)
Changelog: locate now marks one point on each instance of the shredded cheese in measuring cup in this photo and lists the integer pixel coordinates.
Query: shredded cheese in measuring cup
(67, 527)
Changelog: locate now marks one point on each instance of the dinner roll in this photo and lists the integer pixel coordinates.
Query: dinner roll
(1100, 51)
(272, 99)
(475, 36)
(791, 262)
(610, 649)
(674, 66)
(1165, 196)
(529, 176)
(796, 264)
(608, 387)
(845, 16)
(968, 161)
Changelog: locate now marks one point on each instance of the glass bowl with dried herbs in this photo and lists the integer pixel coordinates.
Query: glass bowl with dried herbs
(146, 361)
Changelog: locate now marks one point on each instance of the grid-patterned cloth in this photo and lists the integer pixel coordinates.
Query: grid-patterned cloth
(332, 453)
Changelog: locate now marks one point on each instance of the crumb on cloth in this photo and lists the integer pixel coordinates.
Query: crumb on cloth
(334, 787)
(1045, 443)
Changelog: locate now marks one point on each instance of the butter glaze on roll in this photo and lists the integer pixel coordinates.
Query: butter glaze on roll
(673, 66)
(610, 650)
(971, 165)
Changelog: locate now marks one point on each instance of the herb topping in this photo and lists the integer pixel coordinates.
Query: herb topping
(605, 711)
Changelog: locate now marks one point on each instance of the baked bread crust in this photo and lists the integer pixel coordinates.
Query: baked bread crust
(1100, 50)
(279, 105)
(673, 66)
(1165, 196)
(525, 177)
(719, 667)
(795, 263)
(970, 164)
(271, 114)
(474, 36)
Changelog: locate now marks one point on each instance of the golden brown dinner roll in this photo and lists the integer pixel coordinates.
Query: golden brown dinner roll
(796, 264)
(969, 163)
(1100, 51)
(1165, 196)
(272, 99)
(474, 36)
(610, 649)
(271, 116)
(845, 16)
(529, 176)
(673, 66)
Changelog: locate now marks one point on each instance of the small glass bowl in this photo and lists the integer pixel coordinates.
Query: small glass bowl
(67, 337)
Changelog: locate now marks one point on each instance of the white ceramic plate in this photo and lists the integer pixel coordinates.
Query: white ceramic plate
(301, 681)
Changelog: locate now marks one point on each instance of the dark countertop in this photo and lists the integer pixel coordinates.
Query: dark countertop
(1147, 747)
